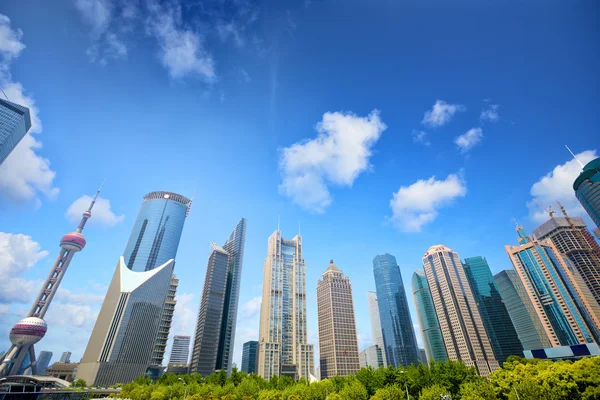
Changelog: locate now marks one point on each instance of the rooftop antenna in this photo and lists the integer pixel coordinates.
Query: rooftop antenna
(574, 156)
(516, 223)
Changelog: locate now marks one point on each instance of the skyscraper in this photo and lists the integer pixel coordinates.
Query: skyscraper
(128, 334)
(43, 361)
(250, 357)
(521, 311)
(372, 356)
(180, 350)
(423, 356)
(571, 238)
(399, 339)
(215, 326)
(496, 320)
(283, 347)
(376, 332)
(435, 349)
(15, 122)
(338, 345)
(460, 321)
(65, 357)
(30, 330)
(539, 266)
(164, 328)
(587, 189)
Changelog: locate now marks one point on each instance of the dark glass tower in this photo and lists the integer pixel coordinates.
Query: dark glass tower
(250, 357)
(587, 189)
(15, 122)
(396, 324)
(215, 327)
(428, 320)
(496, 320)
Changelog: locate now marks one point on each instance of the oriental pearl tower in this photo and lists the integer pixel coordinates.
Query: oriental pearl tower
(30, 330)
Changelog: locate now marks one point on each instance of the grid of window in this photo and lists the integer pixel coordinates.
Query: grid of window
(15, 122)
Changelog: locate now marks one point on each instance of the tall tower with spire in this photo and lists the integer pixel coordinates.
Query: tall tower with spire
(30, 330)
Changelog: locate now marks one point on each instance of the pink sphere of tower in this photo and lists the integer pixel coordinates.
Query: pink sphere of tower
(28, 331)
(73, 241)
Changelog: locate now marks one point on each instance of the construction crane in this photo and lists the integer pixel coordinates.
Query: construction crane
(549, 210)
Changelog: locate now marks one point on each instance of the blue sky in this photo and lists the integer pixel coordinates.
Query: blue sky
(378, 126)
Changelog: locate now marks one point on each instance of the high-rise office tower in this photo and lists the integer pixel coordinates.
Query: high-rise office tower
(283, 347)
(65, 357)
(15, 122)
(338, 345)
(372, 356)
(43, 361)
(435, 349)
(215, 326)
(540, 266)
(164, 328)
(587, 189)
(180, 350)
(423, 356)
(496, 320)
(460, 321)
(128, 327)
(376, 332)
(250, 357)
(30, 330)
(571, 238)
(521, 311)
(400, 343)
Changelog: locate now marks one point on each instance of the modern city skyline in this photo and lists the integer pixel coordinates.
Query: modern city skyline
(376, 333)
(372, 356)
(215, 325)
(65, 357)
(496, 320)
(399, 339)
(435, 349)
(460, 321)
(30, 330)
(587, 189)
(181, 349)
(250, 357)
(15, 122)
(539, 265)
(571, 237)
(283, 338)
(526, 321)
(338, 344)
(131, 330)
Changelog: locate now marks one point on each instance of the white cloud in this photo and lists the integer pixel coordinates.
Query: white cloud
(417, 205)
(557, 185)
(252, 307)
(364, 340)
(227, 30)
(18, 253)
(490, 114)
(101, 214)
(96, 13)
(71, 315)
(338, 154)
(184, 319)
(420, 137)
(441, 113)
(467, 140)
(85, 297)
(181, 50)
(24, 173)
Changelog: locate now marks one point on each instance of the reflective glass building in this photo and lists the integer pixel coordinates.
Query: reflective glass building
(498, 325)
(587, 189)
(435, 349)
(398, 333)
(43, 361)
(521, 311)
(15, 122)
(250, 357)
(155, 236)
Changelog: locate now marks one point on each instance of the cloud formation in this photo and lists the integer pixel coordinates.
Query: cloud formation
(557, 185)
(252, 307)
(420, 137)
(417, 205)
(490, 114)
(441, 113)
(24, 173)
(101, 214)
(338, 154)
(469, 139)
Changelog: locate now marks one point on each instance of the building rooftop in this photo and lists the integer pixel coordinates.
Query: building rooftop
(590, 169)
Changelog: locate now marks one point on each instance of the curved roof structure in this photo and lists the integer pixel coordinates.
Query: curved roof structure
(590, 169)
(39, 381)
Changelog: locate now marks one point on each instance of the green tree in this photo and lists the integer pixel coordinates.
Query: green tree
(434, 392)
(354, 391)
(477, 390)
(392, 392)
(79, 383)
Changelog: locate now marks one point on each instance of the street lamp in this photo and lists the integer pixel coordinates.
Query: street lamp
(184, 384)
(514, 388)
(405, 386)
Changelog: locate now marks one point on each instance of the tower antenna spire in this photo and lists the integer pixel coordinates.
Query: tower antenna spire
(574, 156)
(88, 213)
